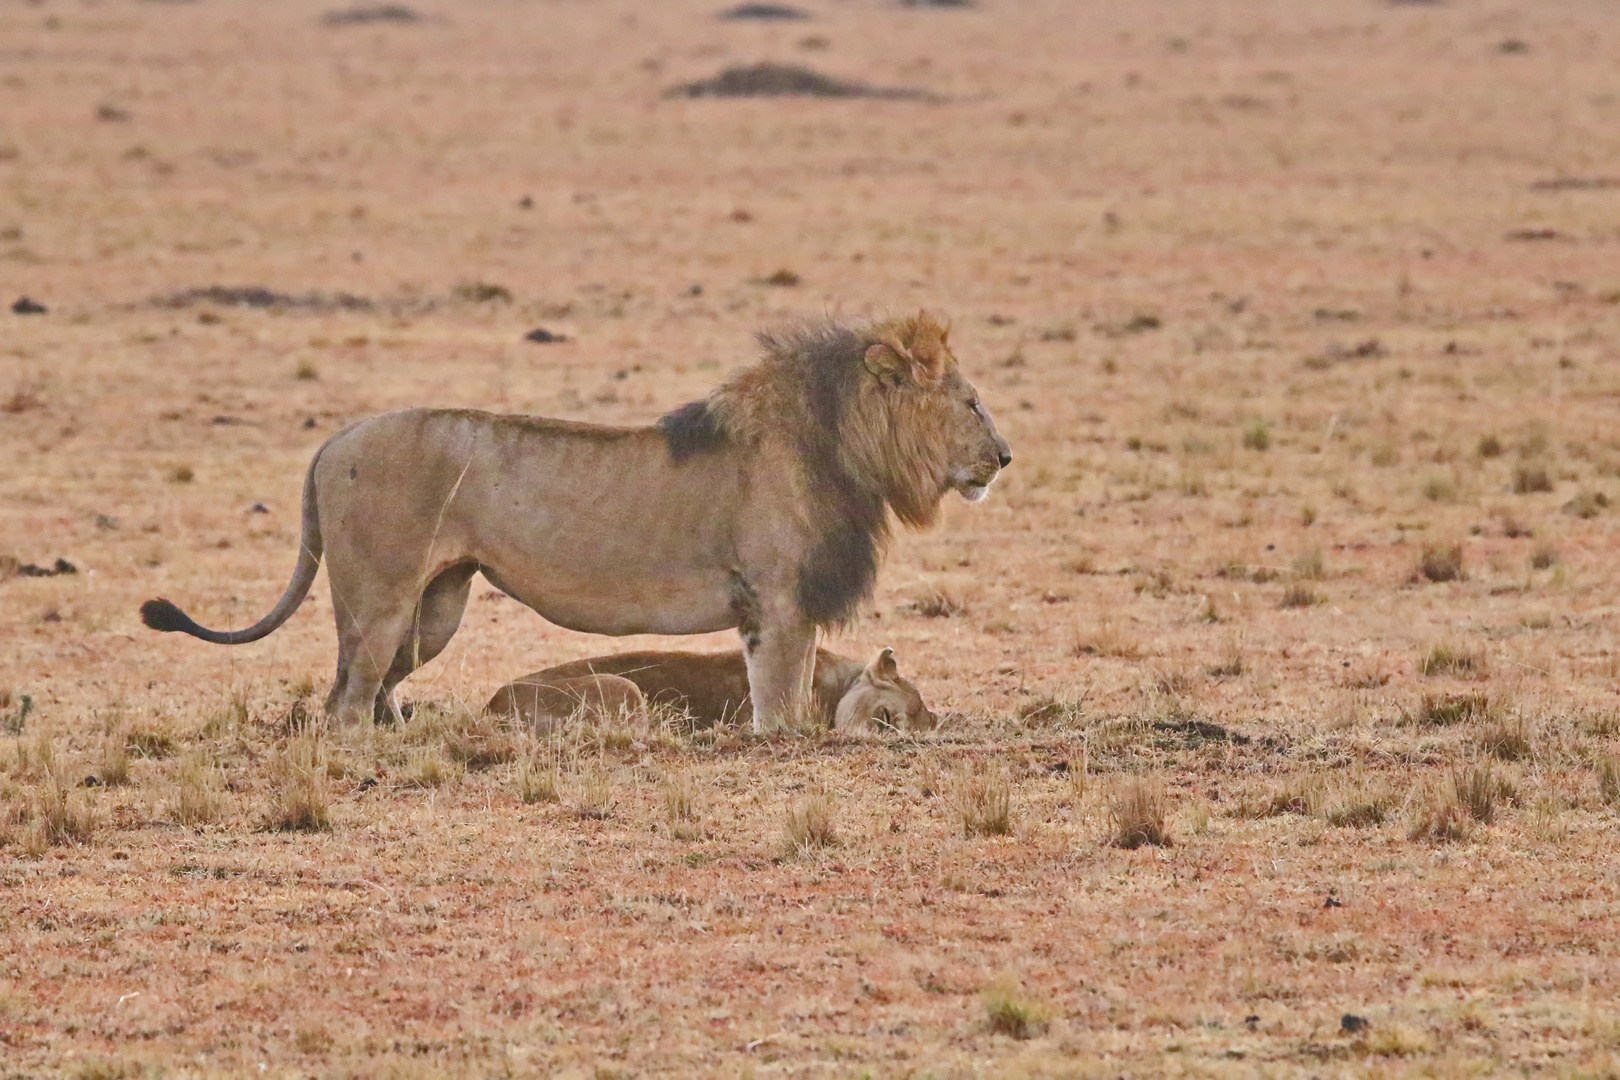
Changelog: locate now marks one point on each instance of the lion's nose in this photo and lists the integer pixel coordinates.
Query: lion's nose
(1006, 458)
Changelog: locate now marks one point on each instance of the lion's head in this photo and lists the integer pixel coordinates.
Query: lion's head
(922, 424)
(880, 699)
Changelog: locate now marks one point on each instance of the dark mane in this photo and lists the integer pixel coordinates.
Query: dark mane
(840, 570)
(691, 429)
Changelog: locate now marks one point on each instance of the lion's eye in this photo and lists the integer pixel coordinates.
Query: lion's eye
(973, 403)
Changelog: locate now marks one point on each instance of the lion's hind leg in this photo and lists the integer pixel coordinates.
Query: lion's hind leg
(437, 618)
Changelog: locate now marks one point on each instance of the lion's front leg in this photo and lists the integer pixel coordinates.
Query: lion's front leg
(781, 663)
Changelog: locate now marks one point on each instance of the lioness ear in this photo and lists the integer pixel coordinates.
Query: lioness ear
(883, 668)
(887, 362)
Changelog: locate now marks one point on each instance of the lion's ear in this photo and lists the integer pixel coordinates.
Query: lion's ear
(883, 668)
(888, 363)
(928, 350)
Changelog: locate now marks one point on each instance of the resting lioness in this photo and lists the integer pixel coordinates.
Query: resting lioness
(712, 688)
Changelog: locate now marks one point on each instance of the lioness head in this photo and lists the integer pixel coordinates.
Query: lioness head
(880, 699)
(941, 429)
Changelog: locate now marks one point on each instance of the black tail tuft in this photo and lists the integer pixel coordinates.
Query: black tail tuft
(163, 615)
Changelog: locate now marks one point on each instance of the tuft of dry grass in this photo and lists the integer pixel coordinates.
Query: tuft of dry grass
(809, 823)
(1608, 780)
(1544, 556)
(198, 798)
(980, 795)
(1444, 710)
(1310, 566)
(151, 742)
(298, 787)
(1107, 639)
(1359, 805)
(536, 777)
(596, 800)
(426, 767)
(1232, 660)
(114, 770)
(1439, 817)
(681, 803)
(1299, 794)
(1136, 814)
(1530, 478)
(1507, 739)
(1300, 595)
(1446, 658)
(1010, 1012)
(1477, 790)
(1440, 562)
(60, 816)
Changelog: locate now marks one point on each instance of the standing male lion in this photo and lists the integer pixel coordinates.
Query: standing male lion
(763, 507)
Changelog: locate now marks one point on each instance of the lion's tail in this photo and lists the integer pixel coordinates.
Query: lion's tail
(161, 614)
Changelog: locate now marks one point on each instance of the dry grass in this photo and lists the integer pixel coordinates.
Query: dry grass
(536, 775)
(810, 822)
(596, 800)
(199, 796)
(1447, 658)
(1137, 812)
(1107, 639)
(1009, 1011)
(981, 799)
(298, 787)
(1441, 562)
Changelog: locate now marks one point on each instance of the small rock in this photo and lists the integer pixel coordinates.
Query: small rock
(368, 783)
(92, 781)
(259, 508)
(64, 567)
(107, 522)
(694, 290)
(1350, 1023)
(309, 422)
(542, 336)
(112, 114)
(1332, 901)
(25, 306)
(1251, 1021)
(526, 203)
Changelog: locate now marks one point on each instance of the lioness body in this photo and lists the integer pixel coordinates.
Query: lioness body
(712, 688)
(764, 508)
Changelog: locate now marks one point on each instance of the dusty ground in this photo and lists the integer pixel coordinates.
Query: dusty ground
(1268, 300)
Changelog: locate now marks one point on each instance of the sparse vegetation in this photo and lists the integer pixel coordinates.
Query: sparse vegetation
(1137, 813)
(1441, 562)
(1012, 1013)
(810, 822)
(981, 798)
(298, 787)
(1446, 658)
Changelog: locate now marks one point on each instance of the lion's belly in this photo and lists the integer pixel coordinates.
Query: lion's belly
(624, 603)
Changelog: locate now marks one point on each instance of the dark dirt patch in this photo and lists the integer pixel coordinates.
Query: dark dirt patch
(764, 13)
(787, 80)
(1578, 183)
(257, 296)
(362, 16)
